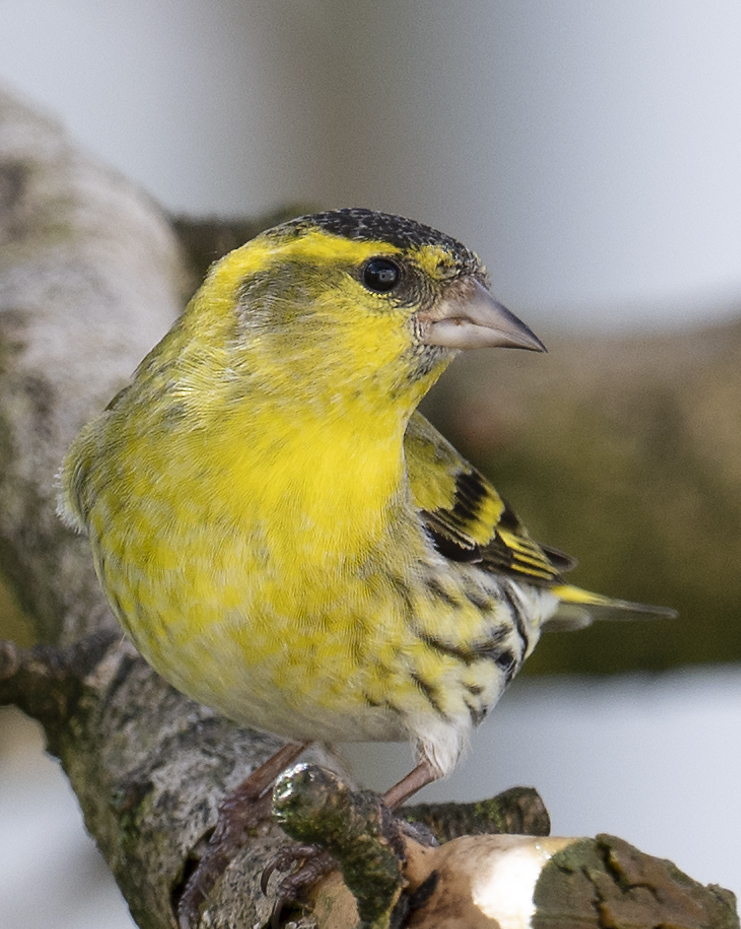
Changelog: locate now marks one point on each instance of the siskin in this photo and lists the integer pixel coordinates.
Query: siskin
(281, 534)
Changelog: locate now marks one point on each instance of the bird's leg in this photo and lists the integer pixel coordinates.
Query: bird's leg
(315, 863)
(239, 813)
(417, 778)
(254, 787)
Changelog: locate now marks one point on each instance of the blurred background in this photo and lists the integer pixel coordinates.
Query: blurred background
(591, 153)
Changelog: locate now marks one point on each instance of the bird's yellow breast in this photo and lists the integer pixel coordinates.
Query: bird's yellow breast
(283, 527)
(274, 574)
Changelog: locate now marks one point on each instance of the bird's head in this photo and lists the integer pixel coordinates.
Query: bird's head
(353, 301)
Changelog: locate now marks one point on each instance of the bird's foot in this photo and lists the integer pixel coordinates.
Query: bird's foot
(313, 864)
(235, 824)
(240, 814)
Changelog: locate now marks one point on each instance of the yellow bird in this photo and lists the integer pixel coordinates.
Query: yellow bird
(281, 534)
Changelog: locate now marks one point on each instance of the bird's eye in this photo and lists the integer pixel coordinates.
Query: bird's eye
(381, 275)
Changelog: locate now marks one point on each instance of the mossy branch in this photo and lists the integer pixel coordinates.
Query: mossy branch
(394, 877)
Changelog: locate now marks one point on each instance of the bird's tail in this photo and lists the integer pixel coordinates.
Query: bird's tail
(579, 608)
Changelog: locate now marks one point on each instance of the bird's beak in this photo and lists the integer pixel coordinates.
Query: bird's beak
(469, 317)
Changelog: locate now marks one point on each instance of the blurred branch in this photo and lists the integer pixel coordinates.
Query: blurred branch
(91, 276)
(46, 682)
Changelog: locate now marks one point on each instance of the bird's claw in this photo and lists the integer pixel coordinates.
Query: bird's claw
(314, 863)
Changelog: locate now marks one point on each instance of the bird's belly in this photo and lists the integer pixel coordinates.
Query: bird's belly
(361, 658)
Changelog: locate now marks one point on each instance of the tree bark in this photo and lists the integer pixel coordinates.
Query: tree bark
(91, 276)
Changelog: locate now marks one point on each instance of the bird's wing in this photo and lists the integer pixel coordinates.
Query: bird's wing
(466, 517)
(469, 521)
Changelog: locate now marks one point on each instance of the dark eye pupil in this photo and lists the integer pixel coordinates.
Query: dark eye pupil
(380, 275)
